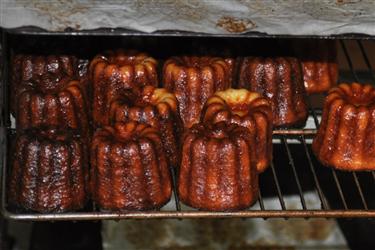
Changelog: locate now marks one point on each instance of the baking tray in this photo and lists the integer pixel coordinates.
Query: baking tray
(33, 30)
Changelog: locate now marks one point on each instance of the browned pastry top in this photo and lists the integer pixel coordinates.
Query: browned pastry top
(47, 72)
(148, 95)
(197, 61)
(130, 57)
(51, 134)
(220, 131)
(123, 132)
(236, 103)
(143, 105)
(356, 94)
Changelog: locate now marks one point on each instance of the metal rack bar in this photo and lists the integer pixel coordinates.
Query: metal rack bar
(194, 215)
(371, 72)
(349, 61)
(175, 193)
(316, 180)
(366, 59)
(360, 190)
(260, 200)
(291, 163)
(279, 194)
(339, 189)
(313, 113)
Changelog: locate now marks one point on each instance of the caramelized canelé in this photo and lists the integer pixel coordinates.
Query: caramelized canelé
(49, 171)
(319, 64)
(346, 136)
(218, 170)
(155, 107)
(129, 168)
(248, 109)
(280, 80)
(193, 80)
(114, 71)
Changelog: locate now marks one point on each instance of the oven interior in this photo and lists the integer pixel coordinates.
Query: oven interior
(294, 170)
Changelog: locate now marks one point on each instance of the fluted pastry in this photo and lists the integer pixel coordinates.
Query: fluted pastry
(319, 64)
(218, 170)
(63, 107)
(280, 80)
(155, 107)
(193, 80)
(129, 168)
(45, 71)
(49, 171)
(346, 136)
(246, 109)
(114, 71)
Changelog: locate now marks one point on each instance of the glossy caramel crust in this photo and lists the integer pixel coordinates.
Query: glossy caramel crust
(280, 80)
(346, 136)
(319, 64)
(63, 108)
(49, 171)
(45, 71)
(247, 109)
(114, 71)
(129, 169)
(193, 80)
(155, 107)
(218, 169)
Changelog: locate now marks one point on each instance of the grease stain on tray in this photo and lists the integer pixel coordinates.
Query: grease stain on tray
(235, 25)
(193, 10)
(58, 12)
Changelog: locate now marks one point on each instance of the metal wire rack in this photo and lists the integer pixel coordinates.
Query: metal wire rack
(294, 171)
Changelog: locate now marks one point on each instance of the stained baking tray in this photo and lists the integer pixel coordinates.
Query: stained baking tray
(294, 170)
(32, 30)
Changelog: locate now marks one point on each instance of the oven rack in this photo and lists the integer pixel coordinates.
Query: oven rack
(294, 171)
